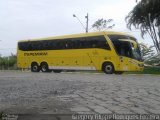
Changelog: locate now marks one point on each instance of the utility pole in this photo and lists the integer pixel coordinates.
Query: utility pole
(86, 28)
(87, 23)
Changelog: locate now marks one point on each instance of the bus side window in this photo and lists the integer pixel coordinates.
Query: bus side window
(21, 45)
(54, 45)
(29, 46)
(76, 44)
(82, 43)
(86, 42)
(90, 43)
(49, 45)
(60, 44)
(45, 45)
(39, 45)
(100, 44)
(26, 46)
(69, 44)
(103, 43)
(93, 44)
(34, 47)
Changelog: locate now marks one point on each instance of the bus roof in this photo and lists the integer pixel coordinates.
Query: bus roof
(79, 35)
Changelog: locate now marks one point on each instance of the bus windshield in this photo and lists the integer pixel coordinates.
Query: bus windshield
(126, 48)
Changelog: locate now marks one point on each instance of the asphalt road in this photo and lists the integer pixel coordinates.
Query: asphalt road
(78, 92)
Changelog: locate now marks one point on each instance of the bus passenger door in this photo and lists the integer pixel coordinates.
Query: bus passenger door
(124, 63)
(92, 56)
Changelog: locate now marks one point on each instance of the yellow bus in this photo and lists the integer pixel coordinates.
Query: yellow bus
(107, 51)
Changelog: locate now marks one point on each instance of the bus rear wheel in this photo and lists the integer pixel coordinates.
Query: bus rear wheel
(108, 68)
(35, 67)
(44, 67)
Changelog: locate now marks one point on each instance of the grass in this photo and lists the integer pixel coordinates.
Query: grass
(147, 70)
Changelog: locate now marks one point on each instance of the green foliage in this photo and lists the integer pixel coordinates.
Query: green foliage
(149, 55)
(154, 61)
(147, 70)
(147, 52)
(102, 24)
(8, 62)
(146, 17)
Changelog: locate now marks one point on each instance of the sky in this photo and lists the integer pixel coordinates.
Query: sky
(27, 19)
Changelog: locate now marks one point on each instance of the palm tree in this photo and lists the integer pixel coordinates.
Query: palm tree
(146, 17)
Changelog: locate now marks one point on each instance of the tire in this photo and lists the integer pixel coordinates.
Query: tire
(108, 68)
(35, 67)
(118, 72)
(57, 71)
(44, 67)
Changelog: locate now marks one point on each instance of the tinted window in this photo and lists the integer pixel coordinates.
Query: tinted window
(91, 42)
(73, 43)
(121, 47)
(125, 48)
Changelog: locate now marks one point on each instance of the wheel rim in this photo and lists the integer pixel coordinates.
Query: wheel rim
(108, 68)
(44, 68)
(35, 68)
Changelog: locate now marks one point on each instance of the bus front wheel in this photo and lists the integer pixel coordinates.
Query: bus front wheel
(108, 68)
(44, 67)
(35, 67)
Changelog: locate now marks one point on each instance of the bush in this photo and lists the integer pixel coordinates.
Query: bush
(147, 70)
(8, 62)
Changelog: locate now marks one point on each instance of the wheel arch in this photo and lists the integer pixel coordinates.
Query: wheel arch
(34, 62)
(43, 62)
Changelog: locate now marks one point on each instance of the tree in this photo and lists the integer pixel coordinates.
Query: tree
(146, 17)
(155, 61)
(102, 24)
(147, 52)
(149, 55)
